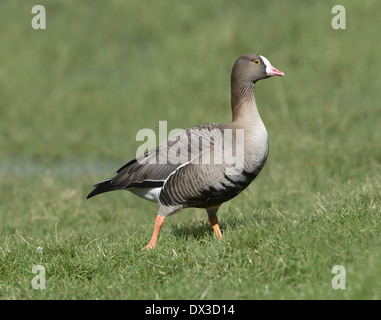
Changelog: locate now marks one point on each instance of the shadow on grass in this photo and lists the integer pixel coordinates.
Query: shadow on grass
(199, 229)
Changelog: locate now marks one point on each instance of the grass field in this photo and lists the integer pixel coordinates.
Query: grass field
(73, 97)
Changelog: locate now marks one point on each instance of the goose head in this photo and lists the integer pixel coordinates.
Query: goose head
(254, 67)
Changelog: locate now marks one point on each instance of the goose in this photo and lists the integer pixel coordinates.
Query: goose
(206, 165)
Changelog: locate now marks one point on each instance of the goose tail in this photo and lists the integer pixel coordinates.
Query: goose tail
(101, 187)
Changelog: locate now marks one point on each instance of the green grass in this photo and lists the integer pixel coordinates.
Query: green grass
(73, 97)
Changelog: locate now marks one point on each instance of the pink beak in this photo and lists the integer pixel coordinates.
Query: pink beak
(272, 71)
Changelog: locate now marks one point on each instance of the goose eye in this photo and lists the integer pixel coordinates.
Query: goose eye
(256, 61)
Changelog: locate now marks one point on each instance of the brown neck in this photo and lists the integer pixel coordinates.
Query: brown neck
(243, 104)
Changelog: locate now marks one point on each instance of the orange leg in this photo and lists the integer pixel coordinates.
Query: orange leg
(214, 222)
(158, 224)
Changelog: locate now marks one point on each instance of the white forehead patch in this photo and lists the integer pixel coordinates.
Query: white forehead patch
(266, 62)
